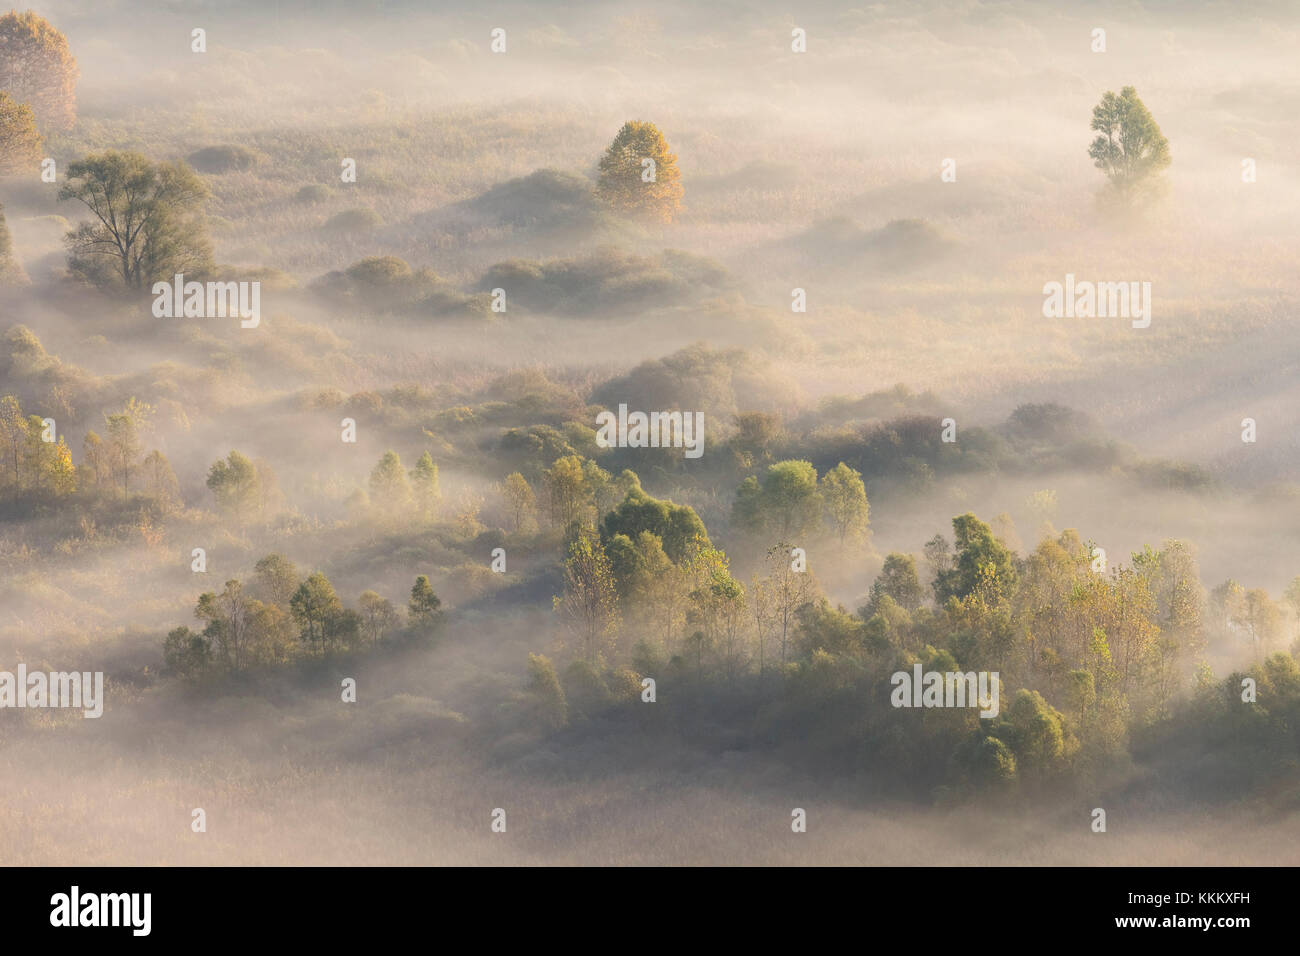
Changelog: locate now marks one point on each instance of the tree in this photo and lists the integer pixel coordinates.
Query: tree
(980, 555)
(898, 581)
(234, 482)
(786, 504)
(1263, 621)
(757, 435)
(788, 591)
(148, 220)
(845, 502)
(663, 591)
(160, 481)
(315, 605)
(519, 497)
(11, 270)
(631, 184)
(1292, 595)
(185, 653)
(37, 68)
(123, 430)
(389, 489)
(566, 491)
(13, 439)
(48, 463)
(590, 593)
(718, 605)
(1129, 147)
(276, 580)
(547, 693)
(378, 616)
(229, 623)
(20, 140)
(423, 608)
(677, 526)
(424, 485)
(93, 460)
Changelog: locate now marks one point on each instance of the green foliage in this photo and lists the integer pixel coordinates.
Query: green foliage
(423, 610)
(222, 159)
(1036, 733)
(590, 599)
(425, 487)
(235, 484)
(520, 500)
(677, 526)
(390, 492)
(316, 608)
(1129, 147)
(980, 556)
(544, 685)
(607, 281)
(898, 581)
(186, 654)
(275, 580)
(844, 500)
(787, 503)
(148, 220)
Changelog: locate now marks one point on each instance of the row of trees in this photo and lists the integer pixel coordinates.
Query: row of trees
(1084, 657)
(281, 616)
(28, 462)
(38, 462)
(789, 502)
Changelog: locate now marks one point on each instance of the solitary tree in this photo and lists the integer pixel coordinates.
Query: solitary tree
(20, 141)
(148, 220)
(639, 175)
(37, 68)
(1129, 148)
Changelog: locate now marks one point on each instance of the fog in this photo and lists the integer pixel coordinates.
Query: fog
(817, 171)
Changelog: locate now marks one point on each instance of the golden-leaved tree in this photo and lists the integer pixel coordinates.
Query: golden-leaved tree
(639, 174)
(20, 140)
(37, 68)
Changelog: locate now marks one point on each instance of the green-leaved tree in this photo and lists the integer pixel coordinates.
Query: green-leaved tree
(1129, 147)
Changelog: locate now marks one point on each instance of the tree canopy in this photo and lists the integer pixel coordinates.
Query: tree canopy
(20, 140)
(639, 174)
(37, 68)
(148, 220)
(1129, 147)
